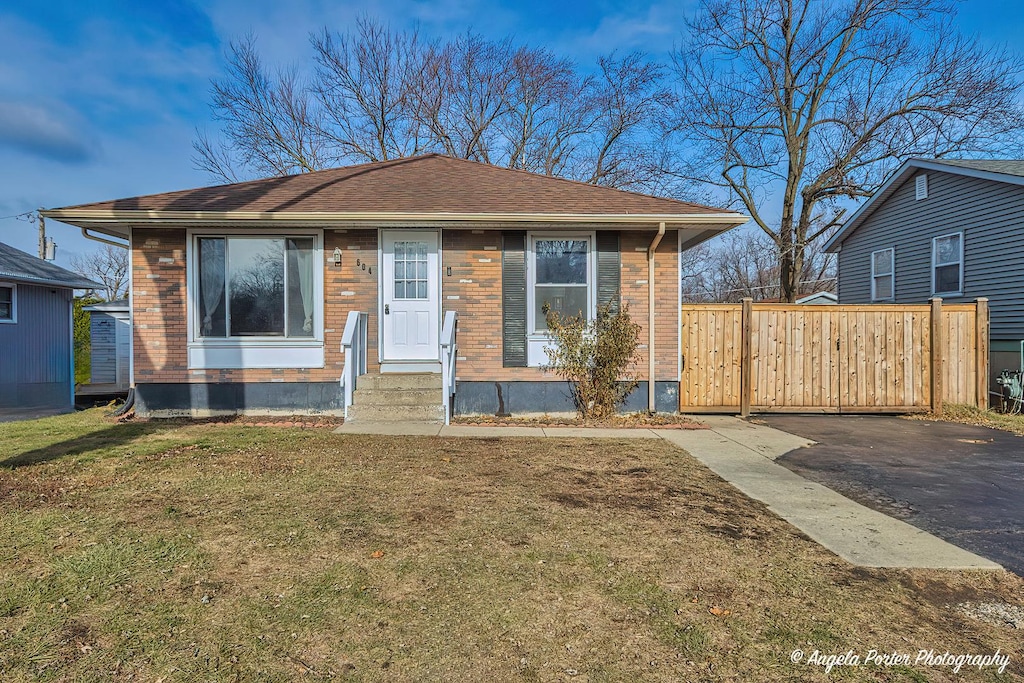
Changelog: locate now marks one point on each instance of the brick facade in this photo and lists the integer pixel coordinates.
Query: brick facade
(473, 289)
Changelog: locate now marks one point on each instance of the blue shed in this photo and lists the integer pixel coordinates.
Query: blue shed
(36, 333)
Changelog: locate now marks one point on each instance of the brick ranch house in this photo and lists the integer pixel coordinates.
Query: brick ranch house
(241, 294)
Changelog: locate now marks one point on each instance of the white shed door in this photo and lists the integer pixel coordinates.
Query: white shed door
(411, 298)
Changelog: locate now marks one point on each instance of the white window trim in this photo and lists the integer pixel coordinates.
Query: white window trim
(935, 264)
(891, 273)
(535, 341)
(14, 303)
(238, 353)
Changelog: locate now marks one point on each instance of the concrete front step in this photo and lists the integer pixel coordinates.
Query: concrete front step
(400, 380)
(397, 397)
(367, 414)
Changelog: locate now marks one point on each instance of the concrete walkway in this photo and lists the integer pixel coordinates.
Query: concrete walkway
(743, 454)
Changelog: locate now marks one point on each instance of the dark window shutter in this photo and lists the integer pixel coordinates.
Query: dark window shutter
(609, 269)
(513, 299)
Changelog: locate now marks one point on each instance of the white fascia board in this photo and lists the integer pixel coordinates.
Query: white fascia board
(94, 219)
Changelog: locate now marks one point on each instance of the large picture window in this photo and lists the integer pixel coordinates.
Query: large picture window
(255, 287)
(8, 303)
(882, 274)
(948, 264)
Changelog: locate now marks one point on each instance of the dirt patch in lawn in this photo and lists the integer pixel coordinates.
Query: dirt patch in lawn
(228, 552)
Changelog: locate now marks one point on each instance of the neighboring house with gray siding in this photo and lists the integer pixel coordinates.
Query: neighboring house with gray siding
(36, 347)
(942, 228)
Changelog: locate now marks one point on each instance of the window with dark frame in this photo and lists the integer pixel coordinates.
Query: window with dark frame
(255, 287)
(6, 303)
(883, 274)
(947, 264)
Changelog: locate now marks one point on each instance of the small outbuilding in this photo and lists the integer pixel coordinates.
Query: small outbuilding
(110, 334)
(37, 359)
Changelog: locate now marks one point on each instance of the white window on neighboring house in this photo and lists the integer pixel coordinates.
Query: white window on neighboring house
(948, 264)
(8, 303)
(561, 278)
(883, 275)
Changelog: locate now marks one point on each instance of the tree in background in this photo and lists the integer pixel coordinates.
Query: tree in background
(744, 263)
(109, 266)
(794, 105)
(83, 345)
(376, 94)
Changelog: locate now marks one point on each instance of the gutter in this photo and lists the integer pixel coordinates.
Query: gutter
(650, 315)
(208, 217)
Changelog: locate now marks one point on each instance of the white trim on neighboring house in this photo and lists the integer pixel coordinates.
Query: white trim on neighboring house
(13, 320)
(959, 262)
(233, 353)
(536, 341)
(891, 275)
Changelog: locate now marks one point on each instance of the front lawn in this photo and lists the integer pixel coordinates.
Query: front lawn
(178, 551)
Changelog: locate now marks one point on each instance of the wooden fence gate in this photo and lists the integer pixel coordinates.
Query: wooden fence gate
(840, 359)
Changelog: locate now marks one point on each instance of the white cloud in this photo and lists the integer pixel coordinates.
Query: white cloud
(39, 131)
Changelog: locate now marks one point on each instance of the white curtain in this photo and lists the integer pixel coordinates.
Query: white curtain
(304, 261)
(211, 275)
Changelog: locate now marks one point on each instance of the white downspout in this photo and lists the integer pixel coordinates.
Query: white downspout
(650, 314)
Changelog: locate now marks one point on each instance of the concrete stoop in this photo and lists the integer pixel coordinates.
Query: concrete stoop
(397, 397)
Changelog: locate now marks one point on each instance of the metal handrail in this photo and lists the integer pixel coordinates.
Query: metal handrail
(449, 356)
(353, 343)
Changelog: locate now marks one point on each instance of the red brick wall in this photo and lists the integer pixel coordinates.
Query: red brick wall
(473, 289)
(159, 301)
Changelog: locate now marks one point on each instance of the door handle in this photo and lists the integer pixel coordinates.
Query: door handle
(387, 309)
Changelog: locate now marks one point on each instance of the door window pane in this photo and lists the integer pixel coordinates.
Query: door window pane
(410, 270)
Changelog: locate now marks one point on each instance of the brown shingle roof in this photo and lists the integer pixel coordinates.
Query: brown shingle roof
(424, 184)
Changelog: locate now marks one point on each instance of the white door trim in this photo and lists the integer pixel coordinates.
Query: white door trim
(388, 364)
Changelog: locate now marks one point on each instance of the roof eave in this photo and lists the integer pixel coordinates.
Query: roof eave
(47, 282)
(114, 221)
(896, 179)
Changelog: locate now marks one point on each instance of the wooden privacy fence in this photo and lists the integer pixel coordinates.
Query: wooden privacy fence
(840, 359)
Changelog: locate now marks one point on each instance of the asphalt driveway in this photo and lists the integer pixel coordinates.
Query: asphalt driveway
(962, 483)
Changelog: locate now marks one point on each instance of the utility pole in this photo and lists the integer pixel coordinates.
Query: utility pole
(42, 234)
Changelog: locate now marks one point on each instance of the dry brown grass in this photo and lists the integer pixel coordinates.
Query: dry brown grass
(222, 552)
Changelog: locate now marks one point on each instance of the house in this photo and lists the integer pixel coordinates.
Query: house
(243, 295)
(110, 333)
(36, 349)
(944, 228)
(819, 299)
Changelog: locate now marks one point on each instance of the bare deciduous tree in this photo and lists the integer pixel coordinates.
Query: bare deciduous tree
(378, 94)
(744, 263)
(793, 105)
(108, 266)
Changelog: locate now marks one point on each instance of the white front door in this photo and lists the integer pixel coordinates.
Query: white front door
(410, 280)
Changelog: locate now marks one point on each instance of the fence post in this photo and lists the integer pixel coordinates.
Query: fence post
(746, 365)
(937, 353)
(981, 333)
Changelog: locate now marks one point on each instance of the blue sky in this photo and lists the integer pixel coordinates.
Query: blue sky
(101, 99)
